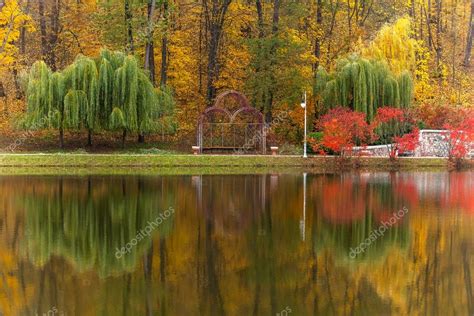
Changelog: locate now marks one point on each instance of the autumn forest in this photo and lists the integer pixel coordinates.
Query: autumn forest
(405, 54)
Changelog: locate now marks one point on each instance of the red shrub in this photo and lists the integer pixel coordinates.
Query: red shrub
(342, 129)
(459, 138)
(391, 125)
(406, 143)
(388, 114)
(438, 116)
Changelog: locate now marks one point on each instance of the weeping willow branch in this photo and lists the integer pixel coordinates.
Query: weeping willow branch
(110, 92)
(363, 85)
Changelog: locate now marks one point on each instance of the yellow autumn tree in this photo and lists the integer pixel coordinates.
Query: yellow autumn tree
(394, 44)
(12, 19)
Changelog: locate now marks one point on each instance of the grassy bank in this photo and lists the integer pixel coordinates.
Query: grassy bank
(182, 164)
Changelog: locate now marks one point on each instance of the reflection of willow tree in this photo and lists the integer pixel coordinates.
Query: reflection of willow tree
(86, 220)
(341, 238)
(353, 218)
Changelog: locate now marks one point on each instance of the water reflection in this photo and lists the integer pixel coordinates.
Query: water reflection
(87, 222)
(250, 244)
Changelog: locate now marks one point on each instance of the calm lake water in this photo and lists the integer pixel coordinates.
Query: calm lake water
(277, 244)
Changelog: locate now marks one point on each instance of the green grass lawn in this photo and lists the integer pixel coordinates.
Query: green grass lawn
(171, 163)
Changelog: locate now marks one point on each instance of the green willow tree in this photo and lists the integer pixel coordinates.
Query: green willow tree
(110, 92)
(363, 85)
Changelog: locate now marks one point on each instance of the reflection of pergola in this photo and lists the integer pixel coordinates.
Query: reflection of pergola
(239, 129)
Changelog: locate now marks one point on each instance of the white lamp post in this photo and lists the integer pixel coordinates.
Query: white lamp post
(303, 105)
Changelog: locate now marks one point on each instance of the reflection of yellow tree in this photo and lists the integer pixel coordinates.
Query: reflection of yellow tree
(15, 290)
(442, 259)
(11, 294)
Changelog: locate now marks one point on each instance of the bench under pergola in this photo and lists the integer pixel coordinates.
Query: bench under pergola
(231, 124)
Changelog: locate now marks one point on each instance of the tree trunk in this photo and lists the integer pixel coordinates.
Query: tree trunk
(350, 15)
(18, 90)
(276, 17)
(273, 50)
(317, 44)
(23, 31)
(212, 66)
(412, 10)
(124, 137)
(438, 48)
(428, 25)
(61, 137)
(200, 68)
(89, 138)
(149, 48)
(54, 36)
(6, 112)
(164, 61)
(453, 55)
(421, 21)
(317, 50)
(329, 33)
(215, 18)
(149, 52)
(467, 55)
(164, 50)
(42, 23)
(49, 41)
(261, 31)
(130, 47)
(260, 47)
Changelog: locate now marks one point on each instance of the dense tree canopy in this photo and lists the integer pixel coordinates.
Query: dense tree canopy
(271, 50)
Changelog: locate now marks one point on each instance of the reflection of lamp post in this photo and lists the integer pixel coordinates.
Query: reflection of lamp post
(303, 105)
(303, 221)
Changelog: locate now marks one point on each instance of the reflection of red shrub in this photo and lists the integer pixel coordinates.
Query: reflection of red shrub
(341, 204)
(405, 189)
(459, 192)
(382, 216)
(345, 200)
(386, 215)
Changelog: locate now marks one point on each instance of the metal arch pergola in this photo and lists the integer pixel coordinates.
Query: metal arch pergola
(230, 134)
